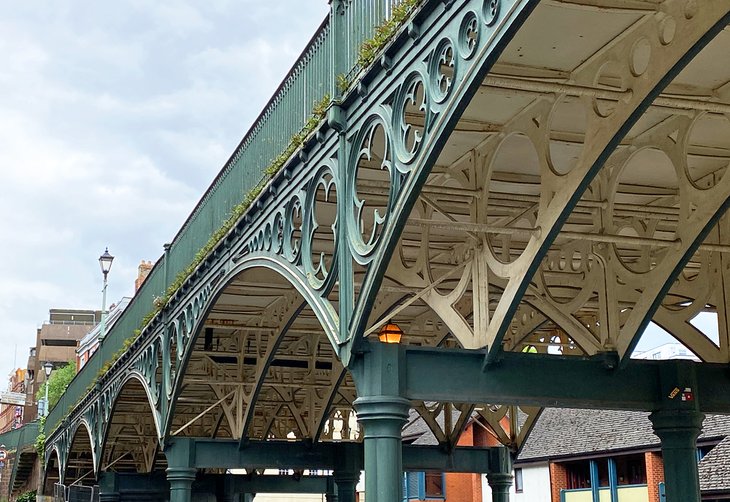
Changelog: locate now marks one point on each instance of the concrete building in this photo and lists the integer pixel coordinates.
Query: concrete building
(667, 351)
(56, 342)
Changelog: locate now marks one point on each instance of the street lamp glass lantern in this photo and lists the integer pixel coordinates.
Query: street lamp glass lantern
(48, 367)
(390, 333)
(105, 261)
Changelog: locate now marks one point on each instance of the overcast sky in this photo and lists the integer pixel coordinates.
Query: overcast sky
(114, 118)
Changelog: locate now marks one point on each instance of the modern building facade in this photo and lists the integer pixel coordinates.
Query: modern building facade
(56, 342)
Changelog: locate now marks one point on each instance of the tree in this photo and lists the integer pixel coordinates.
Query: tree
(57, 384)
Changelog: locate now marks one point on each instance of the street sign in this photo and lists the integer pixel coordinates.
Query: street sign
(3, 454)
(16, 398)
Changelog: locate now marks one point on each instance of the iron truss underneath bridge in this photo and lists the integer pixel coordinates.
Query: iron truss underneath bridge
(514, 189)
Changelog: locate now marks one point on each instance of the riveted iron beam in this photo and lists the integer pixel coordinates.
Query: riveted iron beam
(554, 381)
(212, 453)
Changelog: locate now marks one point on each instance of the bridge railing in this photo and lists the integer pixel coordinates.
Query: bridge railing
(312, 77)
(22, 436)
(18, 440)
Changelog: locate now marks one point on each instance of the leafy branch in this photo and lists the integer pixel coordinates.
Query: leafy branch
(370, 48)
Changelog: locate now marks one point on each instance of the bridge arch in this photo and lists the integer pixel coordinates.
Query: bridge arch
(130, 439)
(53, 470)
(81, 457)
(250, 312)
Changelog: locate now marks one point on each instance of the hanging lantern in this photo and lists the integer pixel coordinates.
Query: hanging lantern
(390, 333)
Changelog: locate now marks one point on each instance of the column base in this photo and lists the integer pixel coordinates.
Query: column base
(500, 483)
(383, 418)
(181, 482)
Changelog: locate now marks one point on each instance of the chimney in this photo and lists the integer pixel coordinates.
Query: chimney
(142, 272)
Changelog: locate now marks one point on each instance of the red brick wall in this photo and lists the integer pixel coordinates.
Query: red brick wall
(654, 474)
(558, 481)
(464, 487)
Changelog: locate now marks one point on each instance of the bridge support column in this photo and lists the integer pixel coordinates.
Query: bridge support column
(678, 431)
(500, 474)
(180, 472)
(678, 423)
(109, 487)
(382, 412)
(345, 483)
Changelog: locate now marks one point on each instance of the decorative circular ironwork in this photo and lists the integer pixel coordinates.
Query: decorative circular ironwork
(169, 360)
(367, 217)
(568, 114)
(277, 236)
(640, 56)
(411, 106)
(711, 130)
(609, 77)
(321, 194)
(293, 229)
(443, 70)
(667, 30)
(491, 11)
(469, 33)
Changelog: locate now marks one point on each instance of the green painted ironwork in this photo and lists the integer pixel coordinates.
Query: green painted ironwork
(19, 439)
(311, 78)
(435, 65)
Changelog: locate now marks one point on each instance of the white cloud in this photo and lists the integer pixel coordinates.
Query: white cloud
(114, 117)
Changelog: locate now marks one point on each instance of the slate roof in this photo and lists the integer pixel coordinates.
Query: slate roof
(416, 431)
(560, 433)
(715, 468)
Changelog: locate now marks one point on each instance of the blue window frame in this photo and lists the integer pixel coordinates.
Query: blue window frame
(424, 486)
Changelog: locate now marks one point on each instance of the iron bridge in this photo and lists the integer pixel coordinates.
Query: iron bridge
(520, 186)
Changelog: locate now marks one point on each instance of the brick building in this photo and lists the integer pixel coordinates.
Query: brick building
(584, 455)
(578, 456)
(447, 487)
(12, 415)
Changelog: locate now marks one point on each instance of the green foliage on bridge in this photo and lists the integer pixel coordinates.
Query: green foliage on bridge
(57, 384)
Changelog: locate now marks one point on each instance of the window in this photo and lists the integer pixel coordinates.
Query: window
(630, 470)
(424, 486)
(579, 474)
(434, 485)
(518, 480)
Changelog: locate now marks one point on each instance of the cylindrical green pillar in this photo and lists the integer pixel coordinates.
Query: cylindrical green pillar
(678, 430)
(382, 418)
(181, 481)
(499, 476)
(346, 483)
(500, 483)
